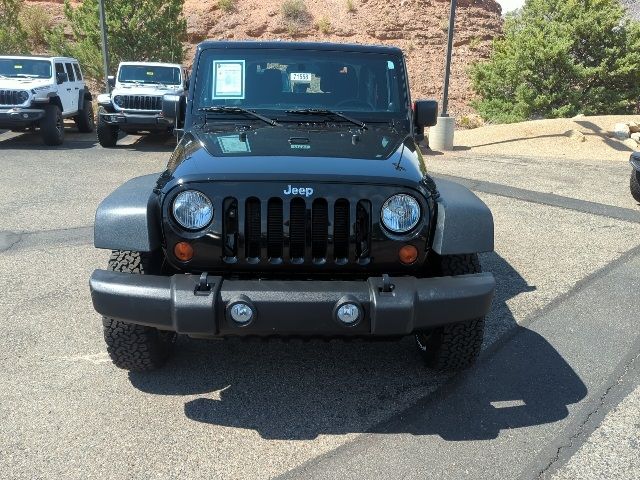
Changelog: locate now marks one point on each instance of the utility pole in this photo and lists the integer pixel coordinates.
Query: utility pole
(105, 50)
(447, 71)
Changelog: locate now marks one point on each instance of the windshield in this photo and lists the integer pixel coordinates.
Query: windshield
(370, 86)
(22, 68)
(149, 74)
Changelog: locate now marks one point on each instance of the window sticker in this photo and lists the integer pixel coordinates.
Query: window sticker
(17, 67)
(300, 77)
(228, 79)
(390, 65)
(150, 73)
(233, 144)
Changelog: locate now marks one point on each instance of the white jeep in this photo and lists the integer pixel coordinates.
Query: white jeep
(135, 102)
(40, 92)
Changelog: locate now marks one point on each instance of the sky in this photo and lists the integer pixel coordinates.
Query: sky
(508, 5)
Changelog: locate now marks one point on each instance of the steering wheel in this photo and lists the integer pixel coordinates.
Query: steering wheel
(355, 103)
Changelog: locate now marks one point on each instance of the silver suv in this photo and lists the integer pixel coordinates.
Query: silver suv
(40, 92)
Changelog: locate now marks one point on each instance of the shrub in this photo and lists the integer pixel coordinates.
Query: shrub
(13, 38)
(295, 11)
(351, 8)
(470, 121)
(227, 5)
(37, 23)
(560, 57)
(324, 25)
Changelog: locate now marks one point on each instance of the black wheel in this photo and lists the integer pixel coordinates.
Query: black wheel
(107, 134)
(84, 120)
(52, 125)
(455, 346)
(135, 347)
(635, 185)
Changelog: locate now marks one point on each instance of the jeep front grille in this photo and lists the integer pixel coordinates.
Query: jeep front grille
(141, 102)
(297, 231)
(9, 97)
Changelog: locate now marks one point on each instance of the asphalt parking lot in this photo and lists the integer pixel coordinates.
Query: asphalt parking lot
(555, 394)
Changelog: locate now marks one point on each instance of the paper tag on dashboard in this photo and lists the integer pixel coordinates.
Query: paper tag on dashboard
(300, 77)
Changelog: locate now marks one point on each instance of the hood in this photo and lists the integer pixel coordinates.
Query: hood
(133, 89)
(24, 83)
(338, 154)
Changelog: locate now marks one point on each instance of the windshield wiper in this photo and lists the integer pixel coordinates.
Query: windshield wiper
(319, 111)
(240, 110)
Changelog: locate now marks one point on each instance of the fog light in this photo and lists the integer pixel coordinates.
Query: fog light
(241, 313)
(183, 251)
(408, 254)
(348, 313)
(25, 115)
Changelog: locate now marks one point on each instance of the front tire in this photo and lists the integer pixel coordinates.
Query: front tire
(455, 346)
(135, 347)
(84, 120)
(635, 185)
(52, 125)
(107, 134)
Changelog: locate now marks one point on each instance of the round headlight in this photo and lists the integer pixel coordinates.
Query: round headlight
(192, 210)
(23, 96)
(400, 213)
(118, 100)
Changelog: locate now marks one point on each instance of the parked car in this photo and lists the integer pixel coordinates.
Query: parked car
(635, 175)
(38, 93)
(135, 103)
(297, 203)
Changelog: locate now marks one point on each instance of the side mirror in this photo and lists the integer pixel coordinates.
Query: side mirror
(111, 80)
(425, 113)
(61, 77)
(174, 108)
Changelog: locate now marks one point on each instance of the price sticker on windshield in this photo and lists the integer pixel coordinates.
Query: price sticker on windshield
(228, 79)
(301, 77)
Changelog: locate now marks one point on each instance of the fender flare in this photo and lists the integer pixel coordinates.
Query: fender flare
(83, 95)
(129, 218)
(464, 222)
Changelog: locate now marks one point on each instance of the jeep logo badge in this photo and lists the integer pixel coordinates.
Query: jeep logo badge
(306, 191)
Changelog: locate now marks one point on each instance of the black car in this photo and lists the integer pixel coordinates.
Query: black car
(635, 176)
(297, 203)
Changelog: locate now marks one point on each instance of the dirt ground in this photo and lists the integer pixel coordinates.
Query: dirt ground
(555, 138)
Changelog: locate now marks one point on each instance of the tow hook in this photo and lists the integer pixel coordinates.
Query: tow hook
(387, 286)
(203, 288)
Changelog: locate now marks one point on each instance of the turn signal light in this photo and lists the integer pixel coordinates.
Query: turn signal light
(408, 254)
(183, 251)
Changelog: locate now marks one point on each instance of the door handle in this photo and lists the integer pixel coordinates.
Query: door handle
(68, 89)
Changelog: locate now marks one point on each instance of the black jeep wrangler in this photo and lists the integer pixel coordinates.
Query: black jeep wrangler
(297, 203)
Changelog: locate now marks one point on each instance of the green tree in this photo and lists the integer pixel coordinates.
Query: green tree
(13, 39)
(146, 30)
(558, 58)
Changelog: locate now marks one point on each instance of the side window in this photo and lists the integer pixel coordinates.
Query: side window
(72, 77)
(59, 68)
(76, 68)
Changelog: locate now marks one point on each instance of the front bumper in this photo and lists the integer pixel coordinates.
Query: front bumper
(303, 307)
(153, 121)
(15, 117)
